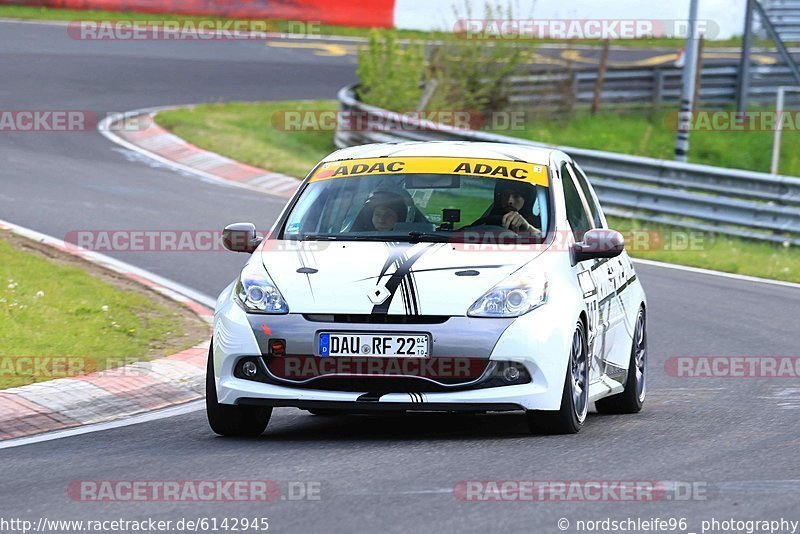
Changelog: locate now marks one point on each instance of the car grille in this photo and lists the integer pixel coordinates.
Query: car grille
(341, 372)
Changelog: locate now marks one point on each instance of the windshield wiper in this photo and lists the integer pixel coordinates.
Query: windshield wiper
(428, 236)
(412, 237)
(336, 237)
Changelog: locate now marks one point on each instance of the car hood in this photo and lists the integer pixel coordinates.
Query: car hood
(386, 278)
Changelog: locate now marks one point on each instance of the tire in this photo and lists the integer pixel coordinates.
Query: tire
(571, 415)
(632, 397)
(229, 420)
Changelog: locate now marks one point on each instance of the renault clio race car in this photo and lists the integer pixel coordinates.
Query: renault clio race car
(442, 276)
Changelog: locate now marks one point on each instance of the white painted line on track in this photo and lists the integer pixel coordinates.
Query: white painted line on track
(709, 272)
(172, 411)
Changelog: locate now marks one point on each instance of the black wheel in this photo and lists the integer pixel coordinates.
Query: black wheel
(632, 398)
(228, 420)
(575, 396)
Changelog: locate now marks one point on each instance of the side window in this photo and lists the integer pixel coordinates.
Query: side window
(576, 211)
(588, 196)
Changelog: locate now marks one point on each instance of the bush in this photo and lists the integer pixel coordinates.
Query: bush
(470, 73)
(391, 76)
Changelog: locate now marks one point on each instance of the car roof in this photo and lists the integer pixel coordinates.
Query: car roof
(503, 151)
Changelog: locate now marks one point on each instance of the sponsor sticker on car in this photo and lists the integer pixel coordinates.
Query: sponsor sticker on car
(489, 168)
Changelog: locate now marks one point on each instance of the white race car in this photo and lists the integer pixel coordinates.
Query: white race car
(444, 276)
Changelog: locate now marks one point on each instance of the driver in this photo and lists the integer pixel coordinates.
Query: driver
(512, 207)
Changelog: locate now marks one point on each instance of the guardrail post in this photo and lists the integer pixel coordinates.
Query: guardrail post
(658, 88)
(571, 95)
(698, 76)
(743, 83)
(601, 75)
(687, 94)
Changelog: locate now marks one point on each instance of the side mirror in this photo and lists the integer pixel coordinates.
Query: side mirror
(241, 237)
(598, 243)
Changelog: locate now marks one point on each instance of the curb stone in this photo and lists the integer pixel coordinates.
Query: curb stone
(141, 131)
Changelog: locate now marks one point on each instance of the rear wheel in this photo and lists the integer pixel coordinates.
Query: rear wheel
(632, 397)
(229, 420)
(575, 396)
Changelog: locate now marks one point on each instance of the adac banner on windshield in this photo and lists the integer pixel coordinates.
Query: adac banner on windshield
(380, 13)
(532, 173)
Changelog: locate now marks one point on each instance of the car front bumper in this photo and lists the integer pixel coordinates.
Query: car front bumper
(539, 349)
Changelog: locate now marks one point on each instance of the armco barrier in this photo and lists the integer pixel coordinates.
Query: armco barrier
(340, 12)
(642, 86)
(727, 201)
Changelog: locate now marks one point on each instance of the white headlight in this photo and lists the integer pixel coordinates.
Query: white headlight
(512, 297)
(257, 293)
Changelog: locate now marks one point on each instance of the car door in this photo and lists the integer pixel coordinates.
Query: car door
(612, 308)
(592, 278)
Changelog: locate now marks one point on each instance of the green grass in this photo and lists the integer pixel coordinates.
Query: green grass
(640, 134)
(709, 251)
(245, 132)
(44, 13)
(50, 309)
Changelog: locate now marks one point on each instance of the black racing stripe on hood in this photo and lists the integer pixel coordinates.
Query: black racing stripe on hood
(395, 280)
(405, 292)
(412, 292)
(301, 257)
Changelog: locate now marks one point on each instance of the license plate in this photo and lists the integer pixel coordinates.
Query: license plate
(388, 345)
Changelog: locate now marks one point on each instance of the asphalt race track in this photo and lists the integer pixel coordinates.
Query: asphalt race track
(737, 438)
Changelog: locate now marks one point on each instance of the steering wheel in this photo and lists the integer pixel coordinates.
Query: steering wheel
(491, 223)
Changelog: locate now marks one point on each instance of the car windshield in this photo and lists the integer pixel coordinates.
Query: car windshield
(413, 199)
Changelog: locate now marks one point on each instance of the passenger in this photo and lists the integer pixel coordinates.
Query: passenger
(381, 212)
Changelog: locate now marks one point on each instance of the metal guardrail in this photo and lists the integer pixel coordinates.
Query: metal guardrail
(785, 16)
(644, 86)
(725, 201)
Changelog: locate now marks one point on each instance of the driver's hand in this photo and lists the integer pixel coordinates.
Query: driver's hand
(517, 223)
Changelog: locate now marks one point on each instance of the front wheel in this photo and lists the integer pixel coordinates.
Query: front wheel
(575, 396)
(229, 420)
(632, 397)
